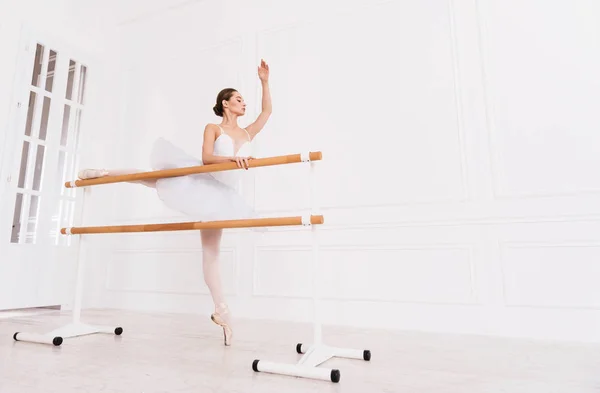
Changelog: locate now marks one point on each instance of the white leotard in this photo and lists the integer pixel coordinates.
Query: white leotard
(205, 196)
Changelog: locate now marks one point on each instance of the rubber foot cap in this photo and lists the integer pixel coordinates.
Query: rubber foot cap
(367, 355)
(119, 331)
(57, 341)
(255, 365)
(335, 375)
(15, 336)
(299, 348)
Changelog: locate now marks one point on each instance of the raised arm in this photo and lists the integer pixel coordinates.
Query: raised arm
(261, 120)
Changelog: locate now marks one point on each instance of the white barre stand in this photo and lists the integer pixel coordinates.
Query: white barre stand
(76, 328)
(318, 352)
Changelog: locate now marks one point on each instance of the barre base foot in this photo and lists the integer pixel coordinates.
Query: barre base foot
(48, 339)
(348, 353)
(57, 336)
(297, 370)
(313, 356)
(82, 329)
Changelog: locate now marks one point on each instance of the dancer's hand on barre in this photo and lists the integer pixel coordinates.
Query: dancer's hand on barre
(242, 162)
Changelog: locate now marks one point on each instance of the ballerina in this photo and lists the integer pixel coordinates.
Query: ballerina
(209, 196)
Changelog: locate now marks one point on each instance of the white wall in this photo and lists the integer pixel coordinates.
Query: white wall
(473, 126)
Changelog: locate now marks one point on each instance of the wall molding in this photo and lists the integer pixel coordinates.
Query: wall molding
(204, 291)
(367, 247)
(503, 246)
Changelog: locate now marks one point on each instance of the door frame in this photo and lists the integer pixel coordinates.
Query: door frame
(60, 256)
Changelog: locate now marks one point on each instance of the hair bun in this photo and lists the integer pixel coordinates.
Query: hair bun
(224, 95)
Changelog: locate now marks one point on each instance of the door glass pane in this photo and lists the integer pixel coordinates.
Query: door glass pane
(81, 90)
(44, 122)
(23, 168)
(76, 127)
(16, 224)
(70, 80)
(37, 65)
(32, 219)
(29, 220)
(70, 127)
(30, 111)
(39, 166)
(65, 126)
(50, 73)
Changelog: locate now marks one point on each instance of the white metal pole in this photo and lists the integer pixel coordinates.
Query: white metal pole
(79, 284)
(78, 300)
(315, 257)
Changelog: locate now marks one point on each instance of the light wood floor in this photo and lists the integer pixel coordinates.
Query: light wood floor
(185, 353)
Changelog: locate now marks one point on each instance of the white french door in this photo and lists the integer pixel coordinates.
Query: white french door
(41, 153)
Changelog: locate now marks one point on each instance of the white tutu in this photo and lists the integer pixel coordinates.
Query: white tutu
(203, 196)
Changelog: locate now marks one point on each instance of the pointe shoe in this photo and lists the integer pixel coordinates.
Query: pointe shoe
(91, 173)
(217, 317)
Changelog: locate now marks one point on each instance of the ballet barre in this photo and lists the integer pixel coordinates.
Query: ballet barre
(314, 354)
(197, 225)
(192, 170)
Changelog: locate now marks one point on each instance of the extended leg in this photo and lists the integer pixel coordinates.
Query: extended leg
(95, 173)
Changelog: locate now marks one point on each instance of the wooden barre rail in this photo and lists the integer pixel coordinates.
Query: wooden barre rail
(227, 166)
(190, 226)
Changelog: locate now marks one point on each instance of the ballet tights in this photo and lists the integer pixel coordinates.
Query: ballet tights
(211, 244)
(116, 172)
(95, 173)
